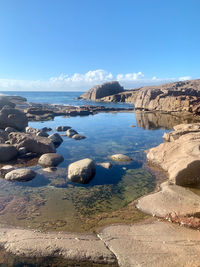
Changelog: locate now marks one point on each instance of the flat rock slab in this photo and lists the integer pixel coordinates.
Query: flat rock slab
(153, 244)
(171, 199)
(75, 247)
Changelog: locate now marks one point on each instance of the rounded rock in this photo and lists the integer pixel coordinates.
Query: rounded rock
(120, 157)
(20, 175)
(7, 152)
(71, 132)
(78, 137)
(50, 160)
(81, 171)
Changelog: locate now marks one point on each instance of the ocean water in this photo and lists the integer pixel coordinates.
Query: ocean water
(51, 202)
(64, 98)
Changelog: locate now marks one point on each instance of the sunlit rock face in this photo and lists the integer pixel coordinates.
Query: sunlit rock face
(102, 90)
(178, 96)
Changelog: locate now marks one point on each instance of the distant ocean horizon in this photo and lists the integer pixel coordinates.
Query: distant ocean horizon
(62, 97)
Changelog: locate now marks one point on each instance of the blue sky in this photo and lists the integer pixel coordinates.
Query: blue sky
(73, 44)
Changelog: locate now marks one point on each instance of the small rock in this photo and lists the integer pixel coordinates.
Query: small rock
(56, 139)
(10, 130)
(50, 159)
(5, 169)
(132, 126)
(78, 137)
(43, 134)
(81, 171)
(50, 169)
(120, 157)
(46, 129)
(71, 132)
(20, 175)
(106, 165)
(62, 128)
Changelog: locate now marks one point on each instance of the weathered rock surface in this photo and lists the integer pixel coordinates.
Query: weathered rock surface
(50, 160)
(102, 90)
(32, 143)
(11, 117)
(171, 200)
(7, 152)
(180, 157)
(81, 171)
(128, 96)
(120, 157)
(20, 175)
(177, 96)
(79, 248)
(152, 244)
(56, 139)
(4, 101)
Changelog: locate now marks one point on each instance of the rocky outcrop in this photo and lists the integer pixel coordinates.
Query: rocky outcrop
(81, 171)
(180, 156)
(32, 143)
(50, 160)
(103, 90)
(11, 117)
(177, 96)
(128, 96)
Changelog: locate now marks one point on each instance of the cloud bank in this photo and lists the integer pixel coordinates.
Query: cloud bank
(83, 82)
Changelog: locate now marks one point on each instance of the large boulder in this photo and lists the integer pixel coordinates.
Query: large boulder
(102, 90)
(179, 157)
(7, 152)
(20, 175)
(32, 143)
(177, 96)
(5, 101)
(81, 171)
(50, 160)
(11, 117)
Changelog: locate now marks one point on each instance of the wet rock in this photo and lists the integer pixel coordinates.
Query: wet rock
(78, 137)
(81, 171)
(46, 129)
(50, 160)
(7, 152)
(20, 175)
(10, 130)
(71, 132)
(56, 139)
(11, 117)
(43, 134)
(32, 143)
(120, 157)
(102, 90)
(5, 169)
(62, 128)
(31, 130)
(106, 165)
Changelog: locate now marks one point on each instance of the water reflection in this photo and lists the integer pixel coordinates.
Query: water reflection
(156, 120)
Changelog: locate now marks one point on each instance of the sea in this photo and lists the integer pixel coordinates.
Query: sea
(50, 202)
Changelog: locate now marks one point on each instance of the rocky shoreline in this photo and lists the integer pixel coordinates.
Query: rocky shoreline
(115, 245)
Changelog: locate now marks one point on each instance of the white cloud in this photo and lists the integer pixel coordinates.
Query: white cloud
(184, 78)
(82, 82)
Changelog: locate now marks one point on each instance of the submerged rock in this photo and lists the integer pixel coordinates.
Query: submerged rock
(50, 160)
(78, 137)
(106, 165)
(120, 157)
(7, 152)
(20, 175)
(81, 171)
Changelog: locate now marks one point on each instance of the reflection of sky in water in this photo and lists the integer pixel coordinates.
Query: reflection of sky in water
(50, 199)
